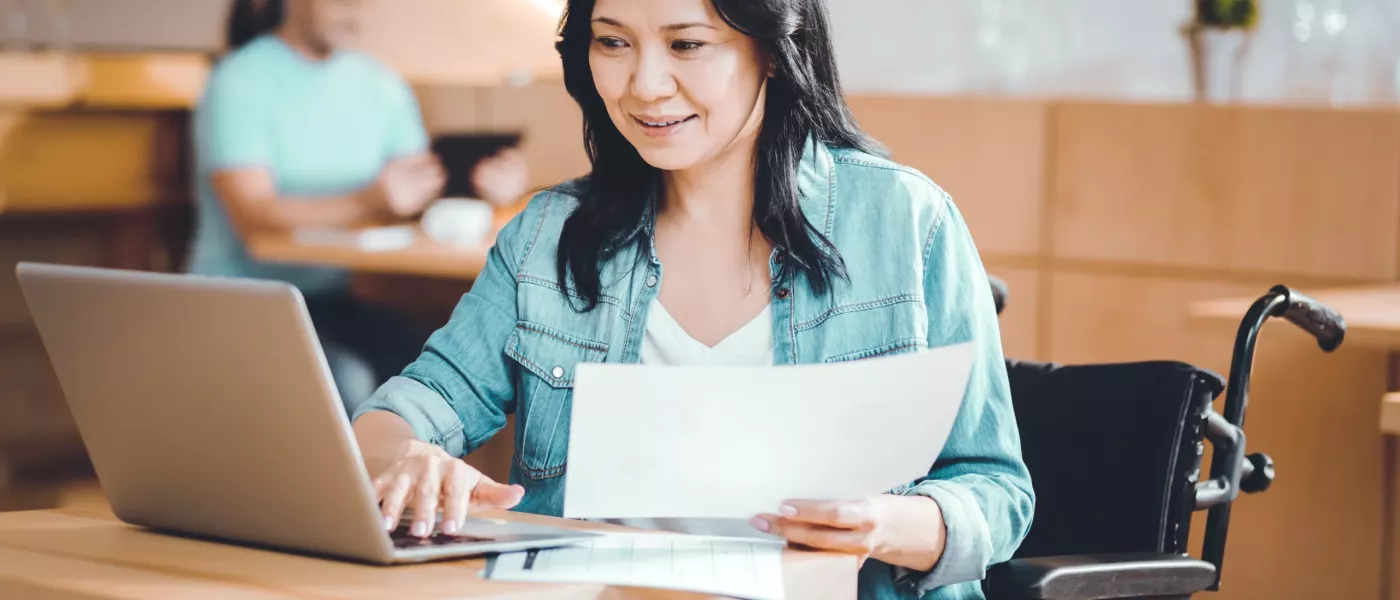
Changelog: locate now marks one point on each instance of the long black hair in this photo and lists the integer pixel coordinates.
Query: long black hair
(248, 19)
(803, 100)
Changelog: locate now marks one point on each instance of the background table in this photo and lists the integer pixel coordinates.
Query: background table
(424, 257)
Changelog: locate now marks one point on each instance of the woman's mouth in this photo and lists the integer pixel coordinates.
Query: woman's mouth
(663, 126)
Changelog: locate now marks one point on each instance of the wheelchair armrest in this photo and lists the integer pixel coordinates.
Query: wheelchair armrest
(1099, 577)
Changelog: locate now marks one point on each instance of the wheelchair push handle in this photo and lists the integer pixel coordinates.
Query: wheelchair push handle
(1231, 470)
(1313, 317)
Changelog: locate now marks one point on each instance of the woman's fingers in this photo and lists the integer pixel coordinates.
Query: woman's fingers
(492, 495)
(857, 514)
(457, 493)
(820, 537)
(426, 495)
(430, 480)
(398, 487)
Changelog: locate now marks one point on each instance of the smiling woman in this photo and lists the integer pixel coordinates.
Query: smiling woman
(735, 214)
(671, 88)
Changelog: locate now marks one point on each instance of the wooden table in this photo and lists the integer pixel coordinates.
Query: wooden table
(1372, 315)
(86, 554)
(424, 257)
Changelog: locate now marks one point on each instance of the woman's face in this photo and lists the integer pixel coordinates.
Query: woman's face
(679, 83)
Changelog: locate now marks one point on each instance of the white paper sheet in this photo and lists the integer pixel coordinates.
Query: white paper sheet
(726, 567)
(732, 442)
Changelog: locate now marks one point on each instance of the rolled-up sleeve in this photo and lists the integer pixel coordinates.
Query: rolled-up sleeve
(979, 481)
(427, 412)
(458, 392)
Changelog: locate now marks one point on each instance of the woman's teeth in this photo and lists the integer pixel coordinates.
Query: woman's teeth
(663, 123)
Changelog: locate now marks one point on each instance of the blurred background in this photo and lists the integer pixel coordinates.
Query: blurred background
(1117, 164)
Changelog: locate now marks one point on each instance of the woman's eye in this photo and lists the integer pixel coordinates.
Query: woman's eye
(610, 43)
(683, 46)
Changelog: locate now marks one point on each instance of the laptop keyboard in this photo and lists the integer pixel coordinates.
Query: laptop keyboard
(404, 540)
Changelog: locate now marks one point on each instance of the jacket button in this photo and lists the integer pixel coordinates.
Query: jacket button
(557, 372)
(781, 256)
(651, 281)
(783, 294)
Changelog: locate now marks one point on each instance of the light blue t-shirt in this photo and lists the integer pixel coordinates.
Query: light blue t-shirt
(321, 127)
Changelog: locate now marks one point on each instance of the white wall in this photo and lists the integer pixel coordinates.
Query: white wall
(1116, 48)
(144, 24)
(1099, 48)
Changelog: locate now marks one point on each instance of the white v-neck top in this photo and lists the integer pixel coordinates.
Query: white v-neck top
(665, 342)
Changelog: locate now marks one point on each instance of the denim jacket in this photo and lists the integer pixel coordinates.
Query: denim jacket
(914, 281)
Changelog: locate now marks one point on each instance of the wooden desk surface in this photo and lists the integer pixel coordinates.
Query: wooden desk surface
(87, 554)
(1372, 313)
(425, 256)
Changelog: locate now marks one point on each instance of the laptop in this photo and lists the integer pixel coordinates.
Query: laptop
(208, 409)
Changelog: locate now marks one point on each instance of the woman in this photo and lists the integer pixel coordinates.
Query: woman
(735, 214)
(294, 131)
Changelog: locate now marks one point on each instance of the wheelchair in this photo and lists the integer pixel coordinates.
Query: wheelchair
(1146, 423)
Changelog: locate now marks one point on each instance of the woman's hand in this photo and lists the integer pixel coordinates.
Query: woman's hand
(427, 478)
(501, 178)
(905, 531)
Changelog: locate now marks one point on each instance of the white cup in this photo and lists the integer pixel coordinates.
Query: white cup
(463, 221)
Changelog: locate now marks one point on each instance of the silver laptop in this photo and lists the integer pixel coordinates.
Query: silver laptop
(208, 409)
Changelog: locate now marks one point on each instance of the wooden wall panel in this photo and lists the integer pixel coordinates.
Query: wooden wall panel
(1020, 331)
(64, 161)
(1237, 189)
(989, 154)
(1315, 533)
(553, 128)
(451, 108)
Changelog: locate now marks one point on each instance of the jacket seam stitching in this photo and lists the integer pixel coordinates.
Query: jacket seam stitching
(542, 472)
(553, 285)
(895, 168)
(830, 198)
(575, 342)
(882, 350)
(539, 228)
(849, 308)
(934, 229)
(454, 429)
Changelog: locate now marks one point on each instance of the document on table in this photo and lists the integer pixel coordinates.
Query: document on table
(732, 442)
(721, 566)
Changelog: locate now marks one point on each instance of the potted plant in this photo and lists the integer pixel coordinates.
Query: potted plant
(1219, 36)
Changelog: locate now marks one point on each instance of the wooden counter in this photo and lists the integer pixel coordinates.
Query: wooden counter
(83, 554)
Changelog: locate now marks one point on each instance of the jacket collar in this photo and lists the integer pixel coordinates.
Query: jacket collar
(816, 185)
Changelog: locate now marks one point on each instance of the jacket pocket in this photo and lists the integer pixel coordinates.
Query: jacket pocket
(549, 359)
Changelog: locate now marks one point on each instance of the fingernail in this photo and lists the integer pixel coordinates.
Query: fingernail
(759, 524)
(449, 527)
(787, 510)
(420, 529)
(389, 523)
